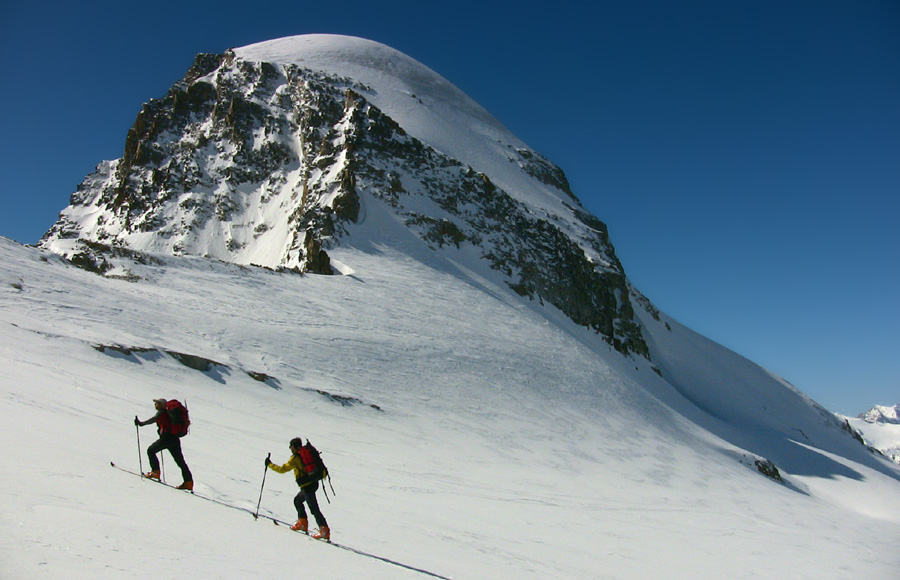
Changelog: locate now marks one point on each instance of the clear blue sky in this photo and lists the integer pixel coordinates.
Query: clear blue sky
(745, 154)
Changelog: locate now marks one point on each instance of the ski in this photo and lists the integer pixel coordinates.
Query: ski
(280, 522)
(307, 533)
(142, 476)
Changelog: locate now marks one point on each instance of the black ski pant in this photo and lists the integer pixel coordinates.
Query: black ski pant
(308, 495)
(173, 444)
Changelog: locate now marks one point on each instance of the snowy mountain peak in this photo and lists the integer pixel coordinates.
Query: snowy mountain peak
(398, 84)
(882, 414)
(275, 153)
(879, 428)
(425, 104)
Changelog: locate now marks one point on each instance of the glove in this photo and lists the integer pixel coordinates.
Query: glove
(137, 422)
(268, 461)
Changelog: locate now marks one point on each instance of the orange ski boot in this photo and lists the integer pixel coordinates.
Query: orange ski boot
(302, 525)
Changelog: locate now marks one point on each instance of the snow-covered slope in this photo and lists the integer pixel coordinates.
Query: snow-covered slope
(493, 397)
(468, 436)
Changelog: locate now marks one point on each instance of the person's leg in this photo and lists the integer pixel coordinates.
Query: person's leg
(175, 450)
(310, 492)
(302, 524)
(298, 503)
(155, 448)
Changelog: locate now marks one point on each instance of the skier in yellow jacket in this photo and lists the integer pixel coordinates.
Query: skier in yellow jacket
(309, 484)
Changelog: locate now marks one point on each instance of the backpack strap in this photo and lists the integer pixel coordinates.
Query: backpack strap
(328, 477)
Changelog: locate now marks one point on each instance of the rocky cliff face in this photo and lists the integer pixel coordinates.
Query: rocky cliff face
(235, 163)
(273, 164)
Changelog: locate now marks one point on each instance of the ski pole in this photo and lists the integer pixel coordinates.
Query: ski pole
(256, 515)
(138, 431)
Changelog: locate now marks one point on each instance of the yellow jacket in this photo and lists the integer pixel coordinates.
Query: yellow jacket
(295, 464)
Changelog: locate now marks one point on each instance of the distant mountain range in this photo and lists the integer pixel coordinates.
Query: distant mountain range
(880, 428)
(881, 414)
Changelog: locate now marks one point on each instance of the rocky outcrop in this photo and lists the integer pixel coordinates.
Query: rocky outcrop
(216, 371)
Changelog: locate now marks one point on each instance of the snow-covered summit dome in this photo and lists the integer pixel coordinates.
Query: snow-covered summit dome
(369, 62)
(424, 103)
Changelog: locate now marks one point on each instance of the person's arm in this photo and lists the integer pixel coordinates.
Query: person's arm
(282, 468)
(152, 419)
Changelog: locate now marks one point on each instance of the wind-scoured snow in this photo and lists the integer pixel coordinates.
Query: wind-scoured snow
(468, 436)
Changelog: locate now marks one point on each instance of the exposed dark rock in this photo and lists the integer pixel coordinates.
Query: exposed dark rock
(198, 363)
(768, 469)
(853, 432)
(212, 367)
(91, 262)
(345, 401)
(541, 169)
(317, 260)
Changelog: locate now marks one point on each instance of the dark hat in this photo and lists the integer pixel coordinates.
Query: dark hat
(160, 401)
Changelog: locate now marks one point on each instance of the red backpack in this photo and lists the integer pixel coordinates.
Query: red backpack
(312, 462)
(179, 421)
(315, 467)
